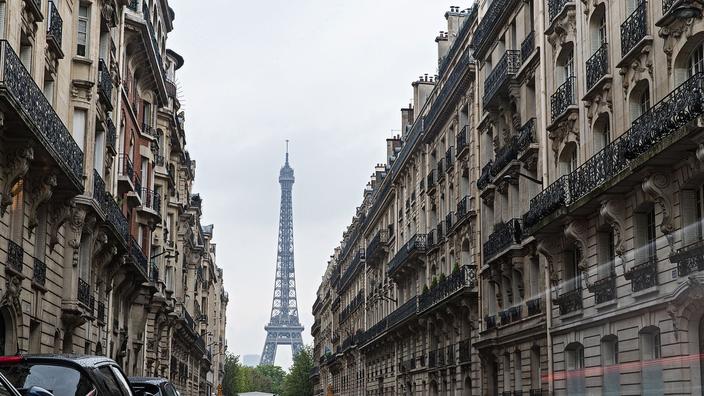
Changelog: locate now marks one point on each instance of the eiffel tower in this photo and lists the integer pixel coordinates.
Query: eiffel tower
(284, 328)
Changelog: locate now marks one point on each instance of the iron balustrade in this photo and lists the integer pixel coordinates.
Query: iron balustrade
(556, 6)
(356, 302)
(485, 178)
(643, 276)
(489, 322)
(28, 99)
(441, 168)
(570, 301)
(535, 392)
(534, 306)
(507, 67)
(504, 156)
(101, 311)
(99, 193)
(462, 208)
(462, 140)
(116, 219)
(15, 256)
(461, 36)
(528, 46)
(54, 26)
(439, 105)
(490, 23)
(431, 180)
(126, 167)
(634, 28)
(188, 319)
(504, 236)
(563, 98)
(449, 221)
(379, 240)
(598, 65)
(440, 232)
(110, 134)
(668, 5)
(526, 136)
(83, 292)
(138, 257)
(39, 273)
(450, 355)
(148, 130)
(159, 160)
(689, 259)
(604, 289)
(465, 351)
(449, 159)
(464, 278)
(152, 35)
(405, 311)
(133, 5)
(154, 272)
(683, 105)
(104, 84)
(151, 200)
(515, 313)
(505, 317)
(352, 270)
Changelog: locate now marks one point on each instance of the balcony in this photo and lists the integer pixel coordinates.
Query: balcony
(570, 301)
(689, 259)
(116, 220)
(35, 8)
(138, 258)
(432, 181)
(39, 273)
(148, 50)
(104, 84)
(489, 322)
(83, 293)
(54, 30)
(352, 270)
(462, 142)
(604, 289)
(462, 35)
(128, 180)
(377, 246)
(527, 46)
(682, 106)
(504, 236)
(497, 81)
(534, 306)
(408, 252)
(151, 203)
(26, 111)
(462, 208)
(555, 7)
(450, 220)
(643, 276)
(564, 98)
(101, 312)
(634, 30)
(462, 280)
(455, 86)
(597, 66)
(510, 315)
(465, 351)
(449, 159)
(491, 24)
(402, 313)
(485, 178)
(110, 135)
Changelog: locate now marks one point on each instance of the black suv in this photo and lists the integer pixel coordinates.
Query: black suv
(154, 386)
(67, 375)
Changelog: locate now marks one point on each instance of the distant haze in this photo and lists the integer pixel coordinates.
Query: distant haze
(329, 75)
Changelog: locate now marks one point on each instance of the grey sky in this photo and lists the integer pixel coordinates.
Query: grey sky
(329, 75)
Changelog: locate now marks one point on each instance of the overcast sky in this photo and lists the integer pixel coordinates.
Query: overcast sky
(331, 76)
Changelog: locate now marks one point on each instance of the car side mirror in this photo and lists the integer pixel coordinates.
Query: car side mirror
(35, 391)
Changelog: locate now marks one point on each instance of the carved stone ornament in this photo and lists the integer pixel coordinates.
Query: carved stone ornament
(685, 306)
(677, 29)
(564, 29)
(13, 289)
(577, 231)
(547, 249)
(41, 193)
(589, 5)
(566, 129)
(655, 186)
(600, 103)
(612, 210)
(640, 68)
(59, 215)
(16, 167)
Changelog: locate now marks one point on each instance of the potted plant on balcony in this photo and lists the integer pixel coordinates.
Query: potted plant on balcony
(425, 289)
(434, 282)
(456, 268)
(442, 277)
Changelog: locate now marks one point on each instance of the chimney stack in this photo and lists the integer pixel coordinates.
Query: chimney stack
(406, 118)
(421, 91)
(392, 146)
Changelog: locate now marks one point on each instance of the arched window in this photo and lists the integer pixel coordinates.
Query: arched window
(640, 99)
(696, 60)
(565, 65)
(602, 132)
(597, 28)
(568, 159)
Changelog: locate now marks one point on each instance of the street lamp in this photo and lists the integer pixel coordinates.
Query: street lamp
(515, 176)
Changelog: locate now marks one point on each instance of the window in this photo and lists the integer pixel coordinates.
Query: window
(650, 349)
(607, 254)
(609, 361)
(63, 381)
(99, 152)
(3, 4)
(640, 100)
(574, 367)
(644, 102)
(696, 60)
(602, 133)
(572, 272)
(79, 128)
(507, 373)
(651, 237)
(26, 55)
(609, 351)
(535, 381)
(650, 343)
(517, 375)
(49, 87)
(83, 30)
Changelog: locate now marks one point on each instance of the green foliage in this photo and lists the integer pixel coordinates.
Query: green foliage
(442, 277)
(297, 382)
(434, 282)
(425, 289)
(456, 268)
(233, 371)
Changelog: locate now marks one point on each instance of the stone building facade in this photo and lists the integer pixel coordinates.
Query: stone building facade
(100, 234)
(572, 263)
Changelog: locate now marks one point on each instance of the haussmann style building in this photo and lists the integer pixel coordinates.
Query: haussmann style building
(538, 226)
(101, 239)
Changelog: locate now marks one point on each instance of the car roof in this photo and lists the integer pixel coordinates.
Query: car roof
(147, 380)
(79, 360)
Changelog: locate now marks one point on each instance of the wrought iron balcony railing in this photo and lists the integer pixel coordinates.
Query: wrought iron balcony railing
(127, 168)
(101, 312)
(39, 275)
(556, 6)
(377, 243)
(489, 322)
(504, 236)
(449, 159)
(418, 243)
(104, 84)
(463, 279)
(15, 256)
(643, 276)
(450, 220)
(570, 301)
(432, 180)
(507, 67)
(352, 270)
(534, 306)
(441, 169)
(440, 232)
(30, 104)
(83, 292)
(54, 27)
(99, 193)
(598, 66)
(689, 259)
(439, 105)
(116, 219)
(152, 34)
(133, 5)
(491, 23)
(151, 200)
(405, 311)
(526, 136)
(604, 289)
(462, 141)
(465, 351)
(485, 177)
(527, 46)
(138, 258)
(188, 319)
(564, 97)
(634, 28)
(504, 156)
(462, 208)
(110, 135)
(684, 104)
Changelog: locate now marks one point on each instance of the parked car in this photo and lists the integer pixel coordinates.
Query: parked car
(67, 375)
(6, 389)
(153, 385)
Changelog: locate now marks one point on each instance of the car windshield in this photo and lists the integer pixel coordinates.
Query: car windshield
(149, 388)
(59, 380)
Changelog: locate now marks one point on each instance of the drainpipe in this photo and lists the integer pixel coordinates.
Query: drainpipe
(476, 161)
(544, 157)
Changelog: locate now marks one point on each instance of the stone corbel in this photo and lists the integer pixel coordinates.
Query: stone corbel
(655, 186)
(58, 217)
(612, 210)
(588, 5)
(41, 193)
(674, 31)
(637, 69)
(74, 231)
(11, 297)
(565, 30)
(600, 103)
(16, 167)
(547, 249)
(561, 134)
(577, 230)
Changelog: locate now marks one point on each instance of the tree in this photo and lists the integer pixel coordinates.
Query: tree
(232, 378)
(298, 381)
